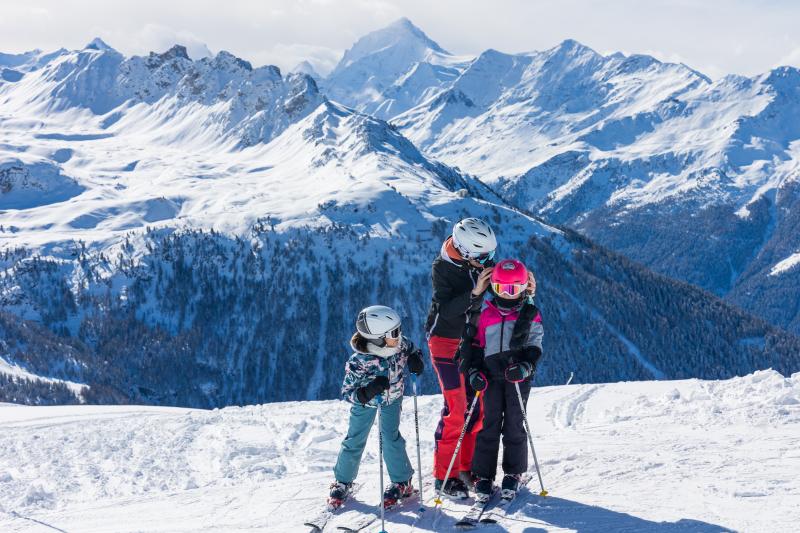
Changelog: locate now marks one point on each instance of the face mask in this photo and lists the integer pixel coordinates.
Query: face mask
(507, 303)
(382, 351)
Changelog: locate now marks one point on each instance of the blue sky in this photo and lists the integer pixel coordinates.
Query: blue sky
(714, 36)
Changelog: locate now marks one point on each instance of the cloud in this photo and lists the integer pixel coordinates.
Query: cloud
(157, 38)
(792, 59)
(715, 37)
(288, 56)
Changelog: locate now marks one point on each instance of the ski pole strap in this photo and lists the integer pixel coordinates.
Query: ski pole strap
(438, 500)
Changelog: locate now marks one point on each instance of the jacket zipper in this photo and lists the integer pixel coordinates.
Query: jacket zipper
(502, 329)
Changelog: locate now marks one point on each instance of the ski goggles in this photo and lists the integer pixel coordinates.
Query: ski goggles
(394, 334)
(508, 289)
(483, 258)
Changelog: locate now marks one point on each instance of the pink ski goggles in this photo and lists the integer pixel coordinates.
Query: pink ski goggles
(509, 289)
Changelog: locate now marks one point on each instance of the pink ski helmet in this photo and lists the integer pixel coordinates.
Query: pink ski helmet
(509, 278)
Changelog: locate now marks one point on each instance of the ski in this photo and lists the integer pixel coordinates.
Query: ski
(496, 513)
(365, 520)
(473, 515)
(318, 523)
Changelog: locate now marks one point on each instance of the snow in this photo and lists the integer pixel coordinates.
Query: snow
(785, 265)
(18, 372)
(648, 456)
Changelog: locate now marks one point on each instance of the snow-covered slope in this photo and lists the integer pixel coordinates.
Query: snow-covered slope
(683, 456)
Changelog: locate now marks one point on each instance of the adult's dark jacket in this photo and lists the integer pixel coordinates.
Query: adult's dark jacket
(453, 280)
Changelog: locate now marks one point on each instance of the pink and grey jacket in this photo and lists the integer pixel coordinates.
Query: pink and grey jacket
(496, 340)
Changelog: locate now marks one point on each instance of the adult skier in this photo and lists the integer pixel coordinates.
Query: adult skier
(460, 272)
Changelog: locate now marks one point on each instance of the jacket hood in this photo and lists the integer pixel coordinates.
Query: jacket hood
(450, 254)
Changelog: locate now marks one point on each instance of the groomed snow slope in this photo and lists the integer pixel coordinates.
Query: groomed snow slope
(664, 456)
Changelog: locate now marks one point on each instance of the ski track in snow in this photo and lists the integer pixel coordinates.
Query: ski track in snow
(667, 456)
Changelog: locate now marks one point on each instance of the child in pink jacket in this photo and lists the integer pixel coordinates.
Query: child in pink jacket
(499, 349)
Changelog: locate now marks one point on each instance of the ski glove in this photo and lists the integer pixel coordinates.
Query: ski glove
(372, 389)
(516, 372)
(477, 380)
(415, 362)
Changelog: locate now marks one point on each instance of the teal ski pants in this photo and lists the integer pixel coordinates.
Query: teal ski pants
(394, 445)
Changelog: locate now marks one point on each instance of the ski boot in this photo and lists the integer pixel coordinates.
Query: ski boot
(455, 489)
(468, 479)
(339, 493)
(510, 486)
(395, 492)
(483, 489)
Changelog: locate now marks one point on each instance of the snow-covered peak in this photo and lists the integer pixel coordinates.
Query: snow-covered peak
(373, 70)
(305, 67)
(784, 79)
(27, 61)
(98, 44)
(220, 99)
(570, 49)
(401, 37)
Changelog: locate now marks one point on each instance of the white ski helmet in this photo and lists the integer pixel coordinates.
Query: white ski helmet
(378, 322)
(474, 239)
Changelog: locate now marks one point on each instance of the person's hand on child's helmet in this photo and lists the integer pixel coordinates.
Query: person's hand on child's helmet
(477, 380)
(516, 372)
(531, 289)
(372, 389)
(484, 278)
(416, 364)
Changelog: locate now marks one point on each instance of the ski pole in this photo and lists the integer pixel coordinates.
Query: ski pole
(419, 456)
(438, 500)
(530, 438)
(380, 461)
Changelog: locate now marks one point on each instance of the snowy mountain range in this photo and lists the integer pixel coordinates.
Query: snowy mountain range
(647, 158)
(202, 233)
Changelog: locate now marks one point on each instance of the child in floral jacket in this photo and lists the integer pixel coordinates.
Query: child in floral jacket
(373, 374)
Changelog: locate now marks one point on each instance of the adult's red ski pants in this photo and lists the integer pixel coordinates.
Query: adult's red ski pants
(457, 398)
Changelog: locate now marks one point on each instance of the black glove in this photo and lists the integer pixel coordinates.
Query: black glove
(477, 380)
(415, 362)
(516, 372)
(372, 389)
